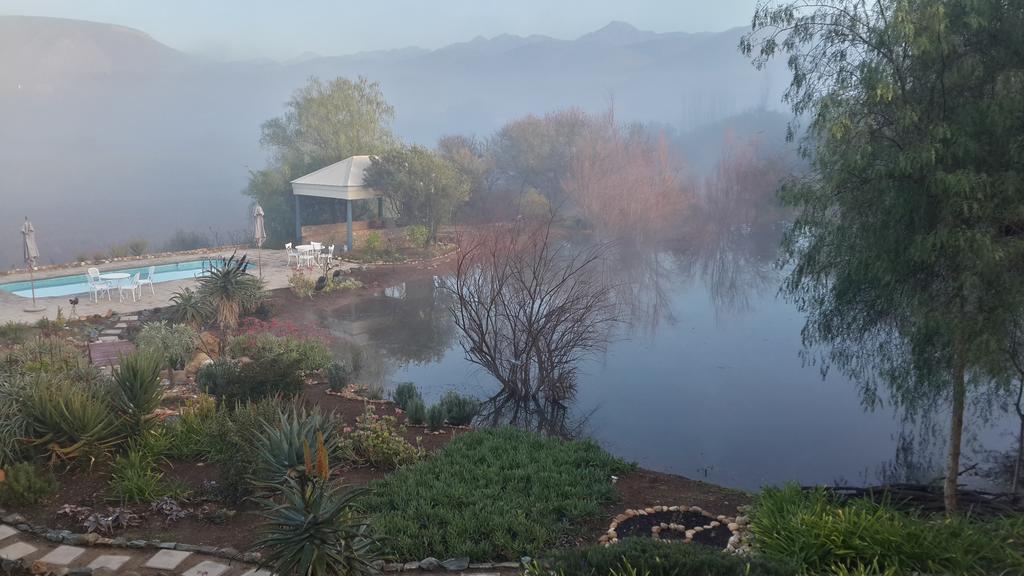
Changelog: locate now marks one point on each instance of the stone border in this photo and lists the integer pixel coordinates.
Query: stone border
(93, 539)
(739, 542)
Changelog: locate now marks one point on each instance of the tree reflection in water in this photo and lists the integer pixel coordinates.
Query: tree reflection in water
(533, 414)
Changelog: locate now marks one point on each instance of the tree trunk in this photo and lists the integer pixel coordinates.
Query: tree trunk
(1016, 465)
(955, 432)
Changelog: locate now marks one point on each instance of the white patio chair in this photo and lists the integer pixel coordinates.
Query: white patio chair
(291, 253)
(148, 280)
(97, 285)
(133, 285)
(330, 253)
(306, 258)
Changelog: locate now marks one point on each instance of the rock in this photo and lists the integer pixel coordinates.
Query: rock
(721, 518)
(186, 547)
(696, 509)
(655, 529)
(456, 564)
(482, 566)
(630, 513)
(742, 520)
(410, 566)
(227, 552)
(13, 519)
(167, 545)
(733, 526)
(23, 527)
(673, 508)
(508, 565)
(136, 543)
(526, 560)
(101, 541)
(715, 524)
(648, 510)
(251, 557)
(659, 508)
(697, 529)
(430, 563)
(603, 539)
(198, 361)
(389, 567)
(619, 519)
(207, 550)
(689, 534)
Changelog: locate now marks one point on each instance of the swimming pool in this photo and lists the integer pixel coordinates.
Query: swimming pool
(79, 284)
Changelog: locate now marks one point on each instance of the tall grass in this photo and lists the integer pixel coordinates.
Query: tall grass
(861, 537)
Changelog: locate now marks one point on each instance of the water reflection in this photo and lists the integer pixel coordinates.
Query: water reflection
(408, 323)
(534, 414)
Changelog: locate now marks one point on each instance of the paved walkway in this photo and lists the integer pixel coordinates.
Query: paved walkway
(275, 274)
(42, 557)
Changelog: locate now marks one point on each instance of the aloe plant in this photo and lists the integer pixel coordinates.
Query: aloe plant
(136, 390)
(312, 526)
(279, 448)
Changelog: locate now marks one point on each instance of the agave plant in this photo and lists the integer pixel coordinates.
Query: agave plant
(70, 420)
(312, 527)
(280, 447)
(230, 290)
(189, 308)
(136, 390)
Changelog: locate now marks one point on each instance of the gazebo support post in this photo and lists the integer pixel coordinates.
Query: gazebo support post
(380, 209)
(298, 220)
(348, 221)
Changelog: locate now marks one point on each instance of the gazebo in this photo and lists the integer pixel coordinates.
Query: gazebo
(340, 181)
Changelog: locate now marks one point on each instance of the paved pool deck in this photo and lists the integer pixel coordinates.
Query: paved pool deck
(12, 308)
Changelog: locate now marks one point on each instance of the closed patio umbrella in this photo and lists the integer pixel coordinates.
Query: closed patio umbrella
(28, 234)
(259, 235)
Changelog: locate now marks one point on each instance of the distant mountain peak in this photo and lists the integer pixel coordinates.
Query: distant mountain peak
(617, 33)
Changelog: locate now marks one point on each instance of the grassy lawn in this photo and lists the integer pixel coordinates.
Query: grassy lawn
(493, 495)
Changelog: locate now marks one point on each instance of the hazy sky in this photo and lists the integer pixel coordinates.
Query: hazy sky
(284, 29)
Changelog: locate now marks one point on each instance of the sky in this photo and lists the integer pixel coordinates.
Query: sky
(243, 29)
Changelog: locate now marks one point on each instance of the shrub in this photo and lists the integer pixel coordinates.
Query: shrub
(188, 433)
(230, 445)
(373, 242)
(824, 536)
(233, 383)
(119, 251)
(182, 240)
(51, 356)
(459, 410)
(312, 527)
(435, 417)
(494, 495)
(12, 332)
(309, 354)
(13, 424)
(650, 557)
(136, 392)
(174, 343)
(417, 235)
(136, 477)
(377, 441)
(417, 412)
(26, 485)
(138, 247)
(279, 446)
(302, 286)
(188, 307)
(404, 394)
(338, 376)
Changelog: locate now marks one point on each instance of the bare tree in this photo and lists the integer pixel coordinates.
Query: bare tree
(530, 307)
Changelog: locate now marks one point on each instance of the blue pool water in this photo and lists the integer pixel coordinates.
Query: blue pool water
(78, 284)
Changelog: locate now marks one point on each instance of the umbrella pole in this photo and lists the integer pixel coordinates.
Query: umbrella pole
(259, 259)
(32, 283)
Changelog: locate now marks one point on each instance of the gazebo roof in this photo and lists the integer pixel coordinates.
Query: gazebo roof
(343, 180)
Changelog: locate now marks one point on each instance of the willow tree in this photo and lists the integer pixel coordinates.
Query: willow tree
(906, 251)
(324, 122)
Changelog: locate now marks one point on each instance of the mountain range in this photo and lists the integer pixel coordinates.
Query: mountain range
(109, 135)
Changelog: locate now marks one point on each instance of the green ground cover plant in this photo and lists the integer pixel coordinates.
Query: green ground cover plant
(824, 536)
(309, 354)
(435, 417)
(494, 494)
(404, 394)
(233, 383)
(648, 557)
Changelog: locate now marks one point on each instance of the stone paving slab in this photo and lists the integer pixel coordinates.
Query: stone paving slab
(63, 555)
(206, 568)
(16, 551)
(6, 531)
(167, 559)
(109, 561)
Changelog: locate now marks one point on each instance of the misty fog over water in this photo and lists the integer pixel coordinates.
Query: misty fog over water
(110, 136)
